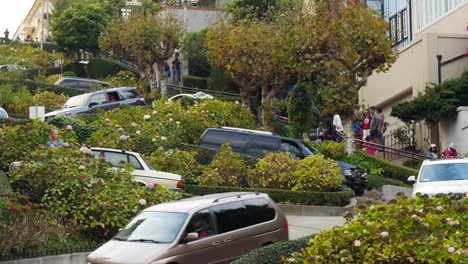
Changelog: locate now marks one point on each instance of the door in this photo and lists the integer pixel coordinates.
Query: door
(260, 145)
(97, 101)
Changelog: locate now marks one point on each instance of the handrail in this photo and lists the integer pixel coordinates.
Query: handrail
(390, 150)
(172, 86)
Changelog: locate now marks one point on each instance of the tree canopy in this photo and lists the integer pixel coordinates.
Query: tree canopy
(195, 52)
(437, 102)
(249, 9)
(80, 25)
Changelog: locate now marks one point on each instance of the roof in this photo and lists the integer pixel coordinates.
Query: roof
(114, 150)
(189, 204)
(444, 161)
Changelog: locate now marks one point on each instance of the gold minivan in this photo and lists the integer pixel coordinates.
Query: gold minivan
(215, 228)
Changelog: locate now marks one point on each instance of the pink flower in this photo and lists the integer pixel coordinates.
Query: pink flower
(150, 186)
(384, 234)
(451, 249)
(123, 137)
(81, 167)
(69, 127)
(439, 208)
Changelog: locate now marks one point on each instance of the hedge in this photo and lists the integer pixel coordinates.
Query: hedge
(206, 155)
(195, 81)
(281, 196)
(31, 73)
(99, 68)
(12, 121)
(83, 132)
(392, 170)
(34, 87)
(272, 254)
(4, 183)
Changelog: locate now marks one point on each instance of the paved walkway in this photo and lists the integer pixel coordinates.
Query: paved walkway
(300, 226)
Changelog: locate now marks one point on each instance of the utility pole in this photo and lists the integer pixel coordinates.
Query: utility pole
(42, 24)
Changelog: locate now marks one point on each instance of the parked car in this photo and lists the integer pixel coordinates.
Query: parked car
(3, 113)
(197, 95)
(81, 83)
(257, 143)
(144, 173)
(100, 100)
(442, 176)
(216, 228)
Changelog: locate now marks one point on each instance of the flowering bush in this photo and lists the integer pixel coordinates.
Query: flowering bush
(122, 78)
(332, 149)
(419, 230)
(86, 191)
(176, 161)
(317, 174)
(227, 169)
(274, 171)
(50, 100)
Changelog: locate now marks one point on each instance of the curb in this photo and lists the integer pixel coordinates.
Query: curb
(311, 210)
(74, 258)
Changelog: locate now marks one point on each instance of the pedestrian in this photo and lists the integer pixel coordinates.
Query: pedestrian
(369, 146)
(374, 125)
(432, 152)
(54, 141)
(320, 131)
(176, 69)
(330, 129)
(381, 127)
(357, 128)
(338, 127)
(366, 125)
(450, 152)
(167, 71)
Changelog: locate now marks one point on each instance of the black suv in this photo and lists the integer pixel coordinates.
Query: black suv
(256, 143)
(109, 99)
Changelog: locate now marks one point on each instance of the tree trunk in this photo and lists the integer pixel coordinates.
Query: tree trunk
(245, 95)
(152, 77)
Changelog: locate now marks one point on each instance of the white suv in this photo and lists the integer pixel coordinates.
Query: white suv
(442, 176)
(144, 173)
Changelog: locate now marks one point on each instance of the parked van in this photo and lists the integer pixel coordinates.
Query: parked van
(257, 143)
(216, 228)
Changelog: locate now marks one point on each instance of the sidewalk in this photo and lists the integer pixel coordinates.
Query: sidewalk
(300, 225)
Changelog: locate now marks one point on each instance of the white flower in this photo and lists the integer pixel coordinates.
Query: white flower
(431, 237)
(451, 249)
(357, 243)
(236, 102)
(368, 223)
(138, 132)
(142, 201)
(384, 234)
(414, 216)
(163, 138)
(123, 137)
(421, 210)
(81, 167)
(120, 130)
(153, 139)
(177, 122)
(146, 117)
(291, 259)
(134, 124)
(69, 127)
(170, 119)
(439, 208)
(107, 120)
(155, 112)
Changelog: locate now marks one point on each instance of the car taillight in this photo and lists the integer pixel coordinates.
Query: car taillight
(286, 225)
(180, 185)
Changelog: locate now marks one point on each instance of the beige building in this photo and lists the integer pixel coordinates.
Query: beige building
(36, 24)
(438, 27)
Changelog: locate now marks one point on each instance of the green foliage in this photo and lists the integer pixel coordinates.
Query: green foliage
(15, 102)
(82, 131)
(176, 161)
(249, 9)
(105, 67)
(406, 136)
(194, 51)
(376, 181)
(317, 174)
(122, 78)
(332, 149)
(274, 171)
(435, 103)
(4, 183)
(80, 25)
(221, 80)
(300, 117)
(340, 198)
(419, 230)
(28, 56)
(86, 191)
(272, 254)
(390, 169)
(69, 74)
(272, 108)
(227, 169)
(50, 100)
(33, 87)
(195, 81)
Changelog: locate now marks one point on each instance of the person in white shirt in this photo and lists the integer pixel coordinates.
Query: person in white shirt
(338, 127)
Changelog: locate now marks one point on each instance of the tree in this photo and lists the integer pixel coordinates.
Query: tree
(145, 40)
(195, 52)
(61, 5)
(249, 9)
(300, 115)
(80, 25)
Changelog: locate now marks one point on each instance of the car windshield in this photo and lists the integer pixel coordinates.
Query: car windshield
(309, 150)
(75, 101)
(155, 227)
(3, 113)
(444, 172)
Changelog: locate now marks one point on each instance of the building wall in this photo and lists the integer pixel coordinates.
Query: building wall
(196, 19)
(456, 131)
(31, 27)
(416, 67)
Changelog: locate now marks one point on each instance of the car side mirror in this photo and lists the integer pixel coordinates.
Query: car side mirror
(92, 104)
(412, 179)
(191, 237)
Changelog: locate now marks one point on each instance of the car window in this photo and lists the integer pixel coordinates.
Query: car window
(289, 147)
(68, 83)
(129, 94)
(260, 210)
(444, 172)
(3, 113)
(201, 223)
(159, 227)
(260, 145)
(134, 161)
(216, 138)
(113, 96)
(98, 98)
(75, 101)
(231, 216)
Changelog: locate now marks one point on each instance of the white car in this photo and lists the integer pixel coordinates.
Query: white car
(197, 95)
(442, 176)
(144, 173)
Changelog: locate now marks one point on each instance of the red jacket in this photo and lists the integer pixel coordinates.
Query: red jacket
(447, 153)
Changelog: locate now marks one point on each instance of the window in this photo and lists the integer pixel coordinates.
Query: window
(399, 27)
(134, 161)
(289, 147)
(99, 98)
(113, 97)
(130, 94)
(260, 210)
(231, 216)
(261, 144)
(428, 11)
(68, 83)
(216, 138)
(201, 223)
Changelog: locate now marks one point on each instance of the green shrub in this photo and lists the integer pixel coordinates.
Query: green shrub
(33, 87)
(227, 169)
(122, 78)
(332, 149)
(376, 181)
(83, 132)
(4, 183)
(300, 117)
(51, 101)
(85, 191)
(176, 161)
(340, 198)
(392, 170)
(419, 230)
(317, 174)
(274, 253)
(271, 108)
(274, 171)
(69, 74)
(99, 68)
(195, 81)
